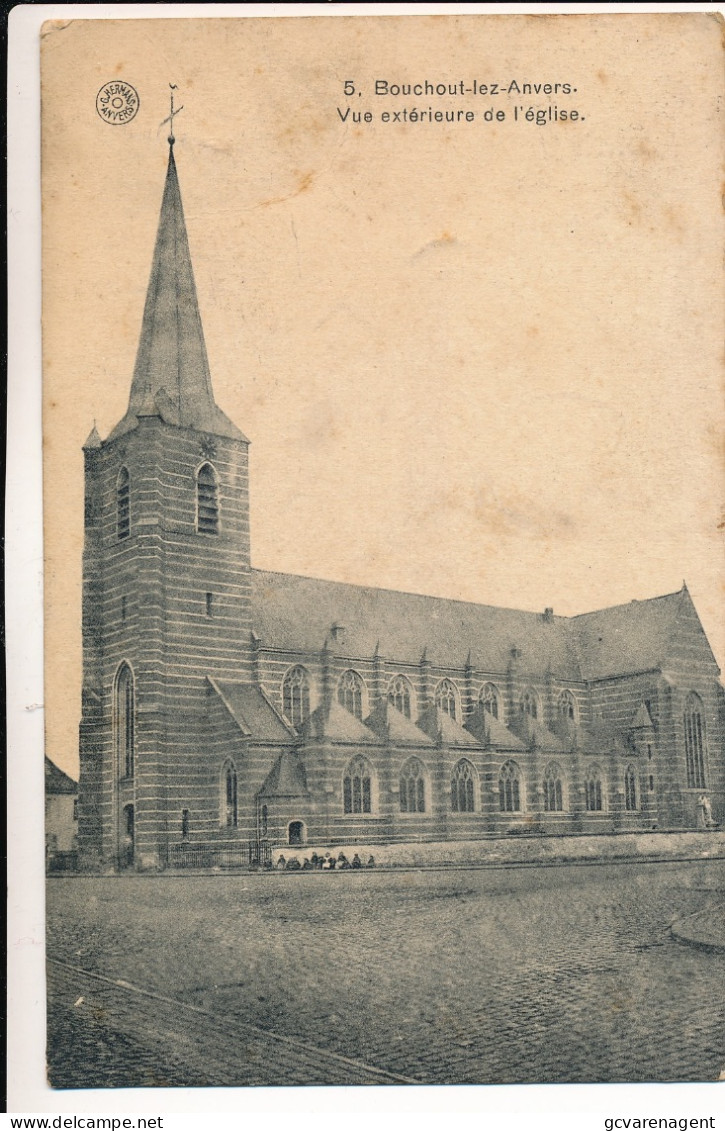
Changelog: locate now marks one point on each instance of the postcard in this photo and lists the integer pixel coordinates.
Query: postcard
(382, 417)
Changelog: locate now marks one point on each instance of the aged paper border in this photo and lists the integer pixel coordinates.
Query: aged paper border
(548, 1105)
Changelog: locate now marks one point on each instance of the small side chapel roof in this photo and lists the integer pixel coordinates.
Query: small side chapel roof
(534, 733)
(387, 721)
(339, 725)
(438, 724)
(642, 719)
(286, 778)
(252, 712)
(492, 732)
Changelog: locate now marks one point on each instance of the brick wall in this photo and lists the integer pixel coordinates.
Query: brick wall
(145, 604)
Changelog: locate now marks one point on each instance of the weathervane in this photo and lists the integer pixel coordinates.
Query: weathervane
(172, 115)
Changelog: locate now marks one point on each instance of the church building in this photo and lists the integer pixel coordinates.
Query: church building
(227, 710)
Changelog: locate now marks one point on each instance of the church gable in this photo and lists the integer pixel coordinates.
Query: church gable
(688, 645)
(626, 638)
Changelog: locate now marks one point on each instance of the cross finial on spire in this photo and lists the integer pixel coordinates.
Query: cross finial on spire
(172, 115)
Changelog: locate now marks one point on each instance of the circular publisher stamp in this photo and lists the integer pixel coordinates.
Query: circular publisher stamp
(117, 102)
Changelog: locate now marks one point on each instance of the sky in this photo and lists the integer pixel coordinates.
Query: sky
(479, 359)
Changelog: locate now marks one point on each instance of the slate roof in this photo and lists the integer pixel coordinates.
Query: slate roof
(339, 725)
(437, 723)
(492, 732)
(627, 638)
(297, 613)
(253, 712)
(388, 722)
(293, 613)
(535, 734)
(171, 377)
(56, 781)
(642, 719)
(286, 778)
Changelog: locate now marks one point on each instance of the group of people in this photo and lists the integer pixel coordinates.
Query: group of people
(326, 863)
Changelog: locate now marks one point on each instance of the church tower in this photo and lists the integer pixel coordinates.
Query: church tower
(166, 576)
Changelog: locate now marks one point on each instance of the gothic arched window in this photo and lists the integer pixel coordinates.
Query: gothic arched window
(694, 741)
(462, 787)
(400, 694)
(567, 706)
(509, 788)
(593, 794)
(123, 503)
(447, 697)
(350, 693)
(207, 500)
(296, 695)
(630, 790)
(490, 697)
(228, 815)
(357, 787)
(530, 703)
(553, 792)
(412, 787)
(124, 709)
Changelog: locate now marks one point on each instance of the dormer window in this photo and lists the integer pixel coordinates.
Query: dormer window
(207, 500)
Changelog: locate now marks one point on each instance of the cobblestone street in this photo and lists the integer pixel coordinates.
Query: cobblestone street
(478, 976)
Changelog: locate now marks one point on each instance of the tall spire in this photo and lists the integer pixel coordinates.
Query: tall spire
(171, 377)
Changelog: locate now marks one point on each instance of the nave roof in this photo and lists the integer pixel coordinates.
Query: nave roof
(293, 613)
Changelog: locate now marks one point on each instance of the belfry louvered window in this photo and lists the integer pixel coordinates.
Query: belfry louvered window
(694, 742)
(207, 500)
(123, 504)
